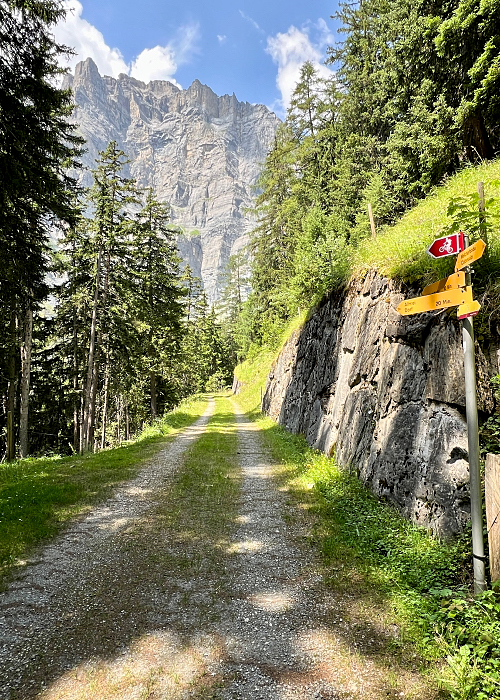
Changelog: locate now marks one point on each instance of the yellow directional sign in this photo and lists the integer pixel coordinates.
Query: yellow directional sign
(452, 282)
(470, 255)
(469, 309)
(431, 302)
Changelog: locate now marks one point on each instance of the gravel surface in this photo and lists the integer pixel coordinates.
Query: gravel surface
(119, 607)
(277, 645)
(45, 612)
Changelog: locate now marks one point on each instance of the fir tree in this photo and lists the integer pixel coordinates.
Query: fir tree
(157, 289)
(37, 146)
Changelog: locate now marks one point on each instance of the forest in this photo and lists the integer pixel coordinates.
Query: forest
(414, 99)
(103, 329)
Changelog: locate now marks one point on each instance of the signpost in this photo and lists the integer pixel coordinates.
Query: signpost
(470, 255)
(456, 290)
(452, 282)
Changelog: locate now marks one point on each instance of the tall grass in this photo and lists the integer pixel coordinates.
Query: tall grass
(399, 251)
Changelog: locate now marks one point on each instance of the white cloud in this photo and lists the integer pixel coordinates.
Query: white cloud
(222, 38)
(86, 40)
(157, 63)
(291, 50)
(252, 21)
(161, 62)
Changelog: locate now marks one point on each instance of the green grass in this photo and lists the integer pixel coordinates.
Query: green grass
(38, 496)
(253, 372)
(206, 489)
(399, 251)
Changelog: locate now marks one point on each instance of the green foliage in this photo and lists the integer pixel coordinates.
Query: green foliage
(490, 430)
(413, 100)
(37, 144)
(320, 260)
(468, 630)
(399, 251)
(470, 39)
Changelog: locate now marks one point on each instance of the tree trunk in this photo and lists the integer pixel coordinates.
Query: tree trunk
(86, 441)
(152, 384)
(118, 419)
(476, 141)
(11, 392)
(105, 404)
(25, 380)
(127, 423)
(76, 399)
(93, 402)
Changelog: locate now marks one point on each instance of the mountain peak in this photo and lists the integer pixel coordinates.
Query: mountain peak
(200, 152)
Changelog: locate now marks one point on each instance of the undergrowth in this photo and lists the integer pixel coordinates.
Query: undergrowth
(39, 495)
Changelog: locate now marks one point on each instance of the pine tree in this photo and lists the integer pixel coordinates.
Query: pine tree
(157, 289)
(112, 195)
(37, 145)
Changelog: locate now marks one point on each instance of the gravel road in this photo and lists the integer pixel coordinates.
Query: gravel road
(99, 614)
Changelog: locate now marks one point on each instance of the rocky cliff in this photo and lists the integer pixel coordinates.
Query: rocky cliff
(386, 395)
(201, 153)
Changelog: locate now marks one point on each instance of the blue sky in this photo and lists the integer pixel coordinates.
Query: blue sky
(252, 48)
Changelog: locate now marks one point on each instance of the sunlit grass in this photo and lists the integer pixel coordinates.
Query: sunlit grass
(399, 251)
(39, 495)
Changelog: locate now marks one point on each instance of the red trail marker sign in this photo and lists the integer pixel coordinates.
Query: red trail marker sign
(447, 245)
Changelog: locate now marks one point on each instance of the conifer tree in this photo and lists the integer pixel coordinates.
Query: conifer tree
(37, 146)
(157, 289)
(112, 196)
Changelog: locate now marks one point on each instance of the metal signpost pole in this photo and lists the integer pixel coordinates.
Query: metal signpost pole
(473, 442)
(456, 290)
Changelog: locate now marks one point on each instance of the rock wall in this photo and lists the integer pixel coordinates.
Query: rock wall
(200, 153)
(386, 395)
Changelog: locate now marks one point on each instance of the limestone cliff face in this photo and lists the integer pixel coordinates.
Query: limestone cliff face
(201, 153)
(386, 395)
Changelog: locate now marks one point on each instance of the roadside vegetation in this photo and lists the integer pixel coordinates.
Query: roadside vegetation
(38, 496)
(398, 572)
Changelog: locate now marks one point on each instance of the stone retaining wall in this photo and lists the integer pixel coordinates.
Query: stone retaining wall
(385, 394)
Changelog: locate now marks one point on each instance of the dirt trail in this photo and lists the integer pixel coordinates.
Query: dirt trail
(285, 635)
(53, 616)
(119, 607)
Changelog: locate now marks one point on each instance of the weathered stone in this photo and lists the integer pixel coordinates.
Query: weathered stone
(385, 394)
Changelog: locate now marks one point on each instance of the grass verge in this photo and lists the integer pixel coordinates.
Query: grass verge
(399, 251)
(395, 570)
(39, 495)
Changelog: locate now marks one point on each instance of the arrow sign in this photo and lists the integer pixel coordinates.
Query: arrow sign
(431, 302)
(447, 245)
(452, 282)
(470, 254)
(467, 310)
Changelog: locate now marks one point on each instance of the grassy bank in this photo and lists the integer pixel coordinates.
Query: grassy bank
(38, 496)
(399, 251)
(396, 571)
